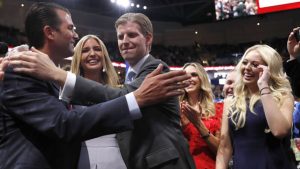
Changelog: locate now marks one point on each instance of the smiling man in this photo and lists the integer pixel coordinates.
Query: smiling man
(157, 140)
(36, 129)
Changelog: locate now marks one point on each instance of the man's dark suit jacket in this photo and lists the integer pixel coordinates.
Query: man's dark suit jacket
(292, 69)
(157, 140)
(37, 131)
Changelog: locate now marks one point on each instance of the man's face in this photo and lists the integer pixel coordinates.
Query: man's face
(133, 45)
(65, 36)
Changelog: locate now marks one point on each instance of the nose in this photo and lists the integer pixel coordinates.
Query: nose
(92, 52)
(248, 66)
(75, 36)
(125, 39)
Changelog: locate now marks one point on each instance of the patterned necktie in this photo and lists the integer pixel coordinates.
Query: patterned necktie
(130, 77)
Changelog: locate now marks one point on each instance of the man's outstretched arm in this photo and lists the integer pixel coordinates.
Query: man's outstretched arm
(156, 87)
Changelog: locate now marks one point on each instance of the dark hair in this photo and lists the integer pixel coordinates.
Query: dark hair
(39, 15)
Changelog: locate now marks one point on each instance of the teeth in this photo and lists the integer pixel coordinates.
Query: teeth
(93, 61)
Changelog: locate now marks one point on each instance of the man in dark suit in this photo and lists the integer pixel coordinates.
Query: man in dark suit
(157, 140)
(36, 129)
(292, 66)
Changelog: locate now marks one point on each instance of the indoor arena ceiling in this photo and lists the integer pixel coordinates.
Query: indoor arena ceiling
(186, 12)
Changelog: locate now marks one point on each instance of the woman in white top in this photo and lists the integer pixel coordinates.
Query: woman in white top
(91, 61)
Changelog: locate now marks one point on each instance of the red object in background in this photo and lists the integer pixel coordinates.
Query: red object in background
(281, 5)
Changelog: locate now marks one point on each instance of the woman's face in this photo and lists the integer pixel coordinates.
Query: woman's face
(249, 68)
(92, 56)
(195, 81)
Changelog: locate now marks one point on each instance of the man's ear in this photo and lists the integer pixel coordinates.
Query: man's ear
(149, 39)
(48, 32)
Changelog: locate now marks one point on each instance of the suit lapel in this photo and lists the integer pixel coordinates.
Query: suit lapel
(147, 61)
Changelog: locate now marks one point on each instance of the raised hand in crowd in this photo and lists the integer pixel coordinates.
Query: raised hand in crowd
(293, 44)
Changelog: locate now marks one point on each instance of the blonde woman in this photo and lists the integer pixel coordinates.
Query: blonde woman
(200, 117)
(91, 61)
(258, 118)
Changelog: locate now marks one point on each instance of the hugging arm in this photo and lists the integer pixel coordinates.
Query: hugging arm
(35, 105)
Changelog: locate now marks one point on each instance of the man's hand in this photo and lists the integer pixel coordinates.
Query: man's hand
(37, 64)
(158, 87)
(292, 45)
(3, 66)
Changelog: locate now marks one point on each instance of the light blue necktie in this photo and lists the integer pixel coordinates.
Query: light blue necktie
(130, 77)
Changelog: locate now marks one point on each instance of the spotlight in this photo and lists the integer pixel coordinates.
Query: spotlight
(132, 4)
(145, 7)
(138, 5)
(123, 3)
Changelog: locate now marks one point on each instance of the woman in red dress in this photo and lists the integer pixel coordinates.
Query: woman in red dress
(201, 117)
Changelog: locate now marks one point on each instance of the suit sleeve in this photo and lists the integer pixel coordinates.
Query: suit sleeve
(32, 103)
(292, 69)
(88, 92)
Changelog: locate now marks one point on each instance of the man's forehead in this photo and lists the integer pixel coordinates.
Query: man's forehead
(129, 25)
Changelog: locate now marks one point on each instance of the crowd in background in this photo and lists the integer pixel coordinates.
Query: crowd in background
(208, 55)
(226, 9)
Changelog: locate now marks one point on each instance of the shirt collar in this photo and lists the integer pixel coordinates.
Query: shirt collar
(136, 68)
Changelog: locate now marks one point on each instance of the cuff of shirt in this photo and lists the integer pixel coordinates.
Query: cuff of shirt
(67, 91)
(134, 108)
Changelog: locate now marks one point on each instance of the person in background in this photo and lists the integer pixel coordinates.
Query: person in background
(292, 66)
(91, 60)
(257, 121)
(292, 69)
(200, 117)
(228, 92)
(295, 142)
(229, 84)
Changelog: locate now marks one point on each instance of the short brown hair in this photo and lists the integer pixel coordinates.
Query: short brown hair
(140, 19)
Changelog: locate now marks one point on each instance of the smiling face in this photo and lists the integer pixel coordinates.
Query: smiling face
(65, 36)
(91, 56)
(249, 68)
(133, 45)
(195, 82)
(229, 84)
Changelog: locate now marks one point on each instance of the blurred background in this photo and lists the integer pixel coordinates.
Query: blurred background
(212, 32)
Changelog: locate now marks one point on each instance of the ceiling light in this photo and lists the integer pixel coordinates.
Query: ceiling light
(138, 5)
(145, 7)
(132, 4)
(123, 3)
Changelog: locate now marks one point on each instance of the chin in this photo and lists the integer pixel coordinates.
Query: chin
(190, 90)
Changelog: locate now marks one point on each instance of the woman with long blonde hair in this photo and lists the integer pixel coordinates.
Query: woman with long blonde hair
(91, 60)
(200, 117)
(258, 118)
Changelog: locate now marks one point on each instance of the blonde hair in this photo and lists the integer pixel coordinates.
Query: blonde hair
(110, 76)
(206, 96)
(279, 85)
